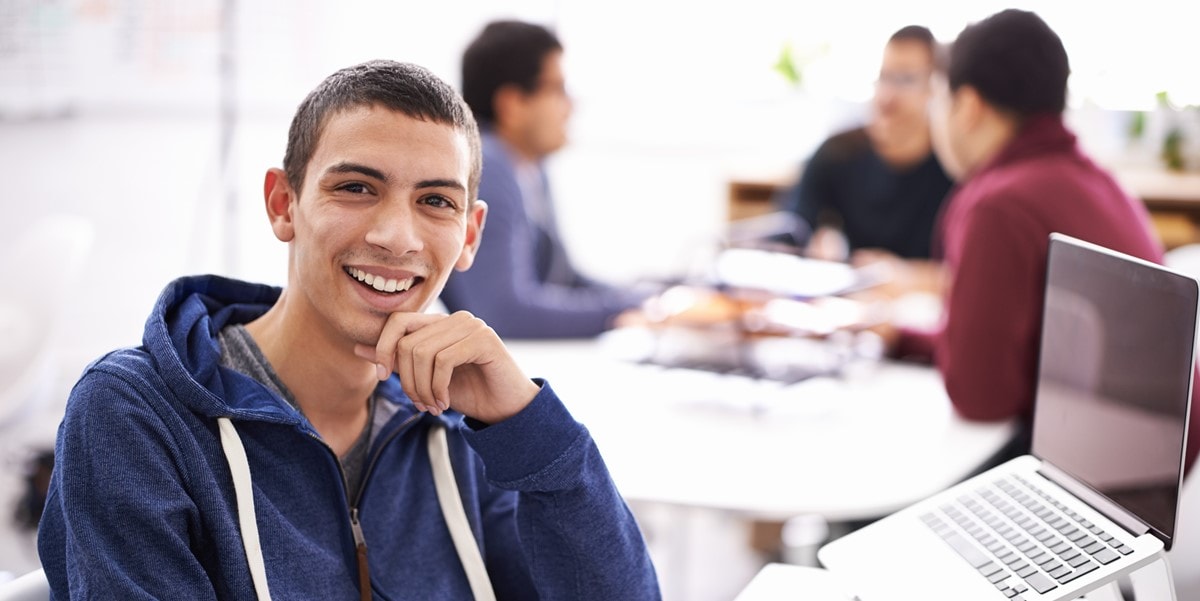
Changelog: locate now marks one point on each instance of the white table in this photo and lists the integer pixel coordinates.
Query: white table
(856, 447)
(782, 582)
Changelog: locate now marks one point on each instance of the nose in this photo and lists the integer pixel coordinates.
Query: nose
(394, 227)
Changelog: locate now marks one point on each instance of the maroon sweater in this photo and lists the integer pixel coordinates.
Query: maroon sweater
(995, 238)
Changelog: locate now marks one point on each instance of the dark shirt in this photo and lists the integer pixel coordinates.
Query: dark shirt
(847, 184)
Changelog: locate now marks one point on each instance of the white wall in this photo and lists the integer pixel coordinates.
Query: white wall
(109, 109)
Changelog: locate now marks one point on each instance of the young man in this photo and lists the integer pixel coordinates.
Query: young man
(880, 186)
(998, 127)
(525, 285)
(292, 444)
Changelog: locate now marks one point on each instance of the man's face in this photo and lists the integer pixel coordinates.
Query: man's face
(902, 90)
(545, 110)
(382, 220)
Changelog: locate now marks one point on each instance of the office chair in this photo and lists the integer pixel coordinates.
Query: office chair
(31, 304)
(29, 587)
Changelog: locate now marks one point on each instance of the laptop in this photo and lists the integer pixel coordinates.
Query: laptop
(1098, 496)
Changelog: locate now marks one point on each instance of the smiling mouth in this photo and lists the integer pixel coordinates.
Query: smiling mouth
(382, 284)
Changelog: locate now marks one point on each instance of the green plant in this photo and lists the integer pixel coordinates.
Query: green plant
(786, 66)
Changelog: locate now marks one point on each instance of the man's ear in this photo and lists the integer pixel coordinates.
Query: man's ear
(508, 103)
(969, 106)
(476, 217)
(280, 198)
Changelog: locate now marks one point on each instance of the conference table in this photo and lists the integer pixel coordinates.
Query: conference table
(869, 439)
(861, 444)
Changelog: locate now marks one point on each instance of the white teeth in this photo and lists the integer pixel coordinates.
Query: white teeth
(379, 282)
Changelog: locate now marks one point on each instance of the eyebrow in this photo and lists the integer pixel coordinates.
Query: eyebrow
(345, 167)
(441, 183)
(348, 167)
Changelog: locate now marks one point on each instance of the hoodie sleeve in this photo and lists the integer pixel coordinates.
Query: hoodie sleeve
(117, 518)
(577, 536)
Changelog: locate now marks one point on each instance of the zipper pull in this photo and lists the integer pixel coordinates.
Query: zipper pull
(360, 544)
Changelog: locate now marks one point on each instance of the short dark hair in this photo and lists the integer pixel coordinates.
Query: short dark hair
(914, 33)
(504, 53)
(1014, 60)
(402, 87)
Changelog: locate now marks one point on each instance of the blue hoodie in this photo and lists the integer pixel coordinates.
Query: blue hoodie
(142, 505)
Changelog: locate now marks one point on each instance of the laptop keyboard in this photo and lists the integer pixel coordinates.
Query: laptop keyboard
(1022, 539)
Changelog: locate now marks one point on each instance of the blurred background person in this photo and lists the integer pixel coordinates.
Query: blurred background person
(878, 186)
(998, 126)
(525, 284)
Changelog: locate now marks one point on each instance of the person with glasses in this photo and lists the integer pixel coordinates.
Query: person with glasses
(525, 284)
(878, 188)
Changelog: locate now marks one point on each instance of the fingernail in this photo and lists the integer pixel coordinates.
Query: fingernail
(442, 404)
(382, 372)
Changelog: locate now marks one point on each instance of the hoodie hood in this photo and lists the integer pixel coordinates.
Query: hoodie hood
(181, 337)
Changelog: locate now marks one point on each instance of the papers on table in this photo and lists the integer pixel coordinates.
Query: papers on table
(789, 275)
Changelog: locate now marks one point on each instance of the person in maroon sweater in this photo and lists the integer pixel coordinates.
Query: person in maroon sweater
(998, 128)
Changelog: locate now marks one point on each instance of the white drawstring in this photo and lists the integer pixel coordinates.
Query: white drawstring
(445, 485)
(235, 455)
(456, 517)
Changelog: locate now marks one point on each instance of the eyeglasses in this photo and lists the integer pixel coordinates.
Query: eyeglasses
(557, 87)
(904, 81)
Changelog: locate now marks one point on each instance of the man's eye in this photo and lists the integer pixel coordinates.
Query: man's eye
(354, 188)
(438, 201)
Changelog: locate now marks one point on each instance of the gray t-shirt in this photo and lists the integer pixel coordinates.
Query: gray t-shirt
(240, 353)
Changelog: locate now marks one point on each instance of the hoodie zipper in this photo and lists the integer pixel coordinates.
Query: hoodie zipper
(360, 546)
(360, 541)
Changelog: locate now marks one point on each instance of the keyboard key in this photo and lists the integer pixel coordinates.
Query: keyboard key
(1094, 547)
(1040, 582)
(1125, 549)
(1106, 556)
(1059, 572)
(1078, 560)
(968, 550)
(1026, 571)
(990, 568)
(1080, 571)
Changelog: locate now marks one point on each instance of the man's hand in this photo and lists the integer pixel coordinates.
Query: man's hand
(449, 361)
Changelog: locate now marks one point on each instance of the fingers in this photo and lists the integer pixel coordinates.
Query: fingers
(382, 371)
(424, 351)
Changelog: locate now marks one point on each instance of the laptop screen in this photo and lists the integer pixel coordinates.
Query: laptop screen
(1115, 375)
